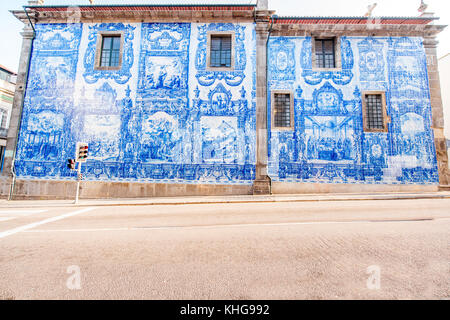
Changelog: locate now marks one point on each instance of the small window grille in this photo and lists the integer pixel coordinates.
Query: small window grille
(282, 112)
(374, 111)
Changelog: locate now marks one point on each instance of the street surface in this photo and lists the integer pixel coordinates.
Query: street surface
(395, 249)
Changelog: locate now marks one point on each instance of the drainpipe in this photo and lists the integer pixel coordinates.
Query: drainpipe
(269, 114)
(13, 166)
(262, 183)
(31, 23)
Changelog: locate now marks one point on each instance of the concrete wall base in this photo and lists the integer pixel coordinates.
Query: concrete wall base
(65, 190)
(261, 187)
(299, 188)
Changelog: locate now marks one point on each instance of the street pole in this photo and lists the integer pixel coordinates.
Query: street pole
(78, 182)
(81, 154)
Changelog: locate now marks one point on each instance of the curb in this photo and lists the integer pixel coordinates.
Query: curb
(178, 201)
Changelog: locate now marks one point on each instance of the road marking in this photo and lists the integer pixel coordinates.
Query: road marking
(19, 212)
(2, 219)
(81, 230)
(33, 225)
(226, 226)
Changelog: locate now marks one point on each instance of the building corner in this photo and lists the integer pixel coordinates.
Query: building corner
(8, 174)
(430, 44)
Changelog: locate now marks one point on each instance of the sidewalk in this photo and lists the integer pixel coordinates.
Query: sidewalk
(224, 199)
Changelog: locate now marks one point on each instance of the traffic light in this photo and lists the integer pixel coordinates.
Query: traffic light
(82, 152)
(71, 164)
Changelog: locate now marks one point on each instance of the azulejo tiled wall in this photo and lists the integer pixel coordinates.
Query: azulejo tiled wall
(166, 117)
(163, 117)
(328, 143)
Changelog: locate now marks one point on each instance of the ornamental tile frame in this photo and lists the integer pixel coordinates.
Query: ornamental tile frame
(164, 117)
(341, 75)
(93, 72)
(98, 51)
(232, 34)
(337, 53)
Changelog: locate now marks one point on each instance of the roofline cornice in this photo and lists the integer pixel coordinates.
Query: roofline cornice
(138, 13)
(399, 26)
(380, 30)
(142, 5)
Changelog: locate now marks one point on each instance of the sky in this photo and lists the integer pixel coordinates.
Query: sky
(10, 27)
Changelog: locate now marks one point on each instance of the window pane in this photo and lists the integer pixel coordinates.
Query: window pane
(220, 51)
(226, 43)
(223, 59)
(106, 55)
(215, 55)
(110, 51)
(115, 58)
(328, 46)
(319, 46)
(215, 43)
(325, 53)
(320, 61)
(282, 110)
(107, 43)
(116, 43)
(329, 61)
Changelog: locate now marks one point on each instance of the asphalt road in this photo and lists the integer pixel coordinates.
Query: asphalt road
(313, 250)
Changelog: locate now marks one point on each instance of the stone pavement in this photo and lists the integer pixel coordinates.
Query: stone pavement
(225, 199)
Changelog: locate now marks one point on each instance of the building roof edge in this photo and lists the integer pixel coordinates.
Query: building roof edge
(8, 70)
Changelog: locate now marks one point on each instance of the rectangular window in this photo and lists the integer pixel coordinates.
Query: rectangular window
(110, 51)
(3, 118)
(374, 112)
(282, 110)
(220, 51)
(325, 53)
(5, 76)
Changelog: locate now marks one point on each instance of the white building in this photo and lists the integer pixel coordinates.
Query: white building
(7, 88)
(444, 71)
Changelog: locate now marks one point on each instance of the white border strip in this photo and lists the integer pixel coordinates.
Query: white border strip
(20, 212)
(33, 225)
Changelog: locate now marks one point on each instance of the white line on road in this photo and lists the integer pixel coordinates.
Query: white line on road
(84, 230)
(224, 226)
(33, 225)
(2, 219)
(9, 212)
